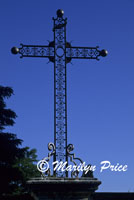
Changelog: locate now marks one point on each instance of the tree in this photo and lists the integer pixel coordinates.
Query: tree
(16, 163)
(7, 116)
(9, 153)
(27, 167)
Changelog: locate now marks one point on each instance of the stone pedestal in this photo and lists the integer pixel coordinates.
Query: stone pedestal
(51, 188)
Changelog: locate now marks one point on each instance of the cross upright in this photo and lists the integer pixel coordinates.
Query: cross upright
(60, 52)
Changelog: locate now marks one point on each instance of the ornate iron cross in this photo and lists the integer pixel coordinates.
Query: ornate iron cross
(60, 52)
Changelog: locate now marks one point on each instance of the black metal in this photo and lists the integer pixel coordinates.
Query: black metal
(49, 51)
(83, 53)
(66, 61)
(15, 50)
(60, 52)
(45, 170)
(36, 51)
(60, 133)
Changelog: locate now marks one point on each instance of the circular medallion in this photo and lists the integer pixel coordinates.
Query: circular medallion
(59, 51)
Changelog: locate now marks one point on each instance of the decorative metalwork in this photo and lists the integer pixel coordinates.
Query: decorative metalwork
(43, 164)
(48, 52)
(83, 52)
(60, 52)
(70, 148)
(60, 97)
(36, 51)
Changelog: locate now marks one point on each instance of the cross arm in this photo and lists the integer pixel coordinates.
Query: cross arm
(49, 52)
(85, 52)
(35, 51)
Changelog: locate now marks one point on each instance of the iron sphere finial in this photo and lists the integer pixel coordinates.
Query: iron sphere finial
(15, 50)
(60, 13)
(103, 53)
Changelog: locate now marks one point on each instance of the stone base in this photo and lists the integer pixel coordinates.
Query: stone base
(51, 188)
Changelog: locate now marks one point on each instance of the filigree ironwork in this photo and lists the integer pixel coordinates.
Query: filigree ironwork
(60, 105)
(48, 52)
(60, 52)
(45, 161)
(36, 51)
(83, 53)
(73, 159)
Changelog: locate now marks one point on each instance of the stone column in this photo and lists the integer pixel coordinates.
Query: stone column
(51, 188)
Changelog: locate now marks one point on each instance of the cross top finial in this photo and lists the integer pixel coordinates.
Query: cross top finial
(60, 13)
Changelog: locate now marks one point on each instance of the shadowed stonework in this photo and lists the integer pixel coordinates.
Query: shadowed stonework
(63, 188)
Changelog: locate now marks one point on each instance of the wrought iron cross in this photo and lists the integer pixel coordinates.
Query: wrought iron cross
(60, 52)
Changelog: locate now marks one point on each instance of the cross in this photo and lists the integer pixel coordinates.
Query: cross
(60, 52)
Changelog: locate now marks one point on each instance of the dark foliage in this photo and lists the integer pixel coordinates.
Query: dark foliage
(16, 163)
(7, 116)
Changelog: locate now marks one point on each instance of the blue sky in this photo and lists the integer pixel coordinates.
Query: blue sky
(100, 93)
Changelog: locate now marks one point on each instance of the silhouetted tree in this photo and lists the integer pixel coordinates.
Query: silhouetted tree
(27, 167)
(16, 164)
(7, 116)
(10, 175)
